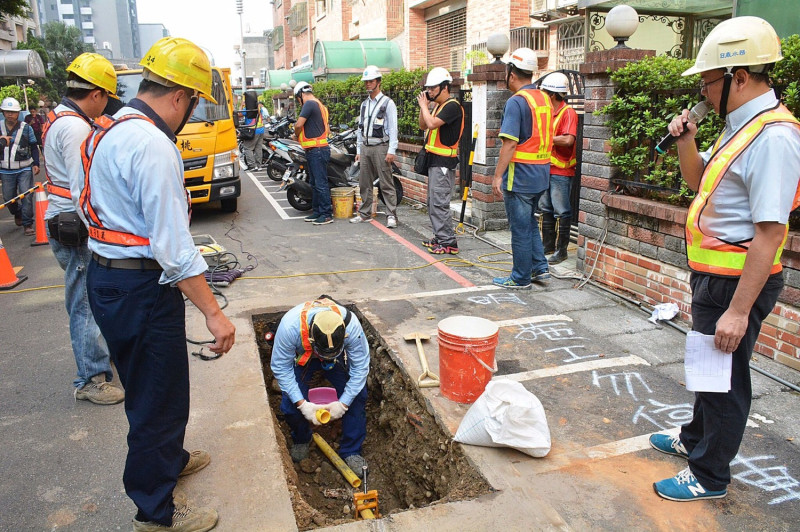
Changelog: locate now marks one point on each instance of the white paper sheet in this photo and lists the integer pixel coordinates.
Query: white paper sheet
(707, 369)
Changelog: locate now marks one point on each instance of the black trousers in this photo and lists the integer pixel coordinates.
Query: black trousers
(713, 436)
(143, 323)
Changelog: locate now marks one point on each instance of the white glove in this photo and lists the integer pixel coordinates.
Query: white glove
(309, 409)
(337, 409)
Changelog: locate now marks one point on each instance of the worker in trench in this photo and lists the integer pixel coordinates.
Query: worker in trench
(314, 336)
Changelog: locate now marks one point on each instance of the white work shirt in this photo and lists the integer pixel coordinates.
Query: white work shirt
(62, 159)
(389, 124)
(137, 187)
(760, 185)
(288, 344)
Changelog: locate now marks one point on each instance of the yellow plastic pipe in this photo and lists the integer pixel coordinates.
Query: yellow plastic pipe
(346, 472)
(323, 416)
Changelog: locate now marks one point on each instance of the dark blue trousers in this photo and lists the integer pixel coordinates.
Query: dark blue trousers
(318, 177)
(143, 323)
(354, 421)
(713, 436)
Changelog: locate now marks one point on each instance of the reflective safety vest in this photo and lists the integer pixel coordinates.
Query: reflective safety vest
(18, 152)
(52, 188)
(303, 358)
(554, 160)
(316, 142)
(434, 144)
(537, 149)
(89, 147)
(706, 253)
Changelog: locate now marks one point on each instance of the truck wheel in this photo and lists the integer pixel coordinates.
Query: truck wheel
(298, 202)
(229, 205)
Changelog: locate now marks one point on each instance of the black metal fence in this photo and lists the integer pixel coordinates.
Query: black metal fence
(345, 109)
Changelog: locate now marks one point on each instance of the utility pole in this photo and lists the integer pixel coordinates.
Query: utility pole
(239, 10)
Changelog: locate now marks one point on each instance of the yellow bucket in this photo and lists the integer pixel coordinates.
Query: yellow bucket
(342, 199)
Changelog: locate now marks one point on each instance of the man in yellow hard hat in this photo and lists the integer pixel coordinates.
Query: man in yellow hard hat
(91, 81)
(747, 184)
(143, 264)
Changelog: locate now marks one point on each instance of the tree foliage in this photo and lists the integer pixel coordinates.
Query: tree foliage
(13, 8)
(61, 44)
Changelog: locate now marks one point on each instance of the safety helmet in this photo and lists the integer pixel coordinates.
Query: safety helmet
(10, 104)
(327, 334)
(302, 86)
(96, 70)
(740, 41)
(370, 73)
(437, 76)
(175, 61)
(555, 82)
(524, 59)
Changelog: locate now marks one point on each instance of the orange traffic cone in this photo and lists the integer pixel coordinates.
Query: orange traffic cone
(8, 274)
(41, 209)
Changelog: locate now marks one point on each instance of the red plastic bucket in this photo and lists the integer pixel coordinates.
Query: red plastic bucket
(466, 357)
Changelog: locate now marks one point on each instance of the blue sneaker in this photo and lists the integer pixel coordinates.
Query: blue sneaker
(540, 276)
(323, 220)
(311, 217)
(668, 445)
(508, 282)
(684, 487)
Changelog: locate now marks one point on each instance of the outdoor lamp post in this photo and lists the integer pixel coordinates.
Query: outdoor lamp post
(239, 10)
(621, 23)
(497, 45)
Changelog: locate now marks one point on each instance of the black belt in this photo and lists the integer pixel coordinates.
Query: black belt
(376, 144)
(127, 264)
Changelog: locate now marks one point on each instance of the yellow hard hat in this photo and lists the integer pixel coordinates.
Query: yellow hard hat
(95, 70)
(740, 41)
(174, 61)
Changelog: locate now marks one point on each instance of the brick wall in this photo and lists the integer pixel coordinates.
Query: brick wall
(637, 246)
(417, 40)
(485, 18)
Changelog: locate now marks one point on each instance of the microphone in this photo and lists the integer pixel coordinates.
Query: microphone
(696, 115)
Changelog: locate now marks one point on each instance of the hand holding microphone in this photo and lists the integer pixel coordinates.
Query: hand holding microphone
(695, 116)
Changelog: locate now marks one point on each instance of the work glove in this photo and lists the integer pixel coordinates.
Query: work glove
(309, 409)
(337, 409)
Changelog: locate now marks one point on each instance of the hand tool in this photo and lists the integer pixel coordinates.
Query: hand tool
(432, 379)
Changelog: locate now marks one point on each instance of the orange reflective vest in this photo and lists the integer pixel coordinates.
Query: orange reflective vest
(708, 254)
(52, 188)
(537, 149)
(96, 230)
(434, 143)
(554, 158)
(316, 142)
(305, 356)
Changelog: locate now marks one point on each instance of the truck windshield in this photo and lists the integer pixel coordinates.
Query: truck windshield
(128, 86)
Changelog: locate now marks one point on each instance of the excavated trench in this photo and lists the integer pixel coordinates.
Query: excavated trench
(412, 461)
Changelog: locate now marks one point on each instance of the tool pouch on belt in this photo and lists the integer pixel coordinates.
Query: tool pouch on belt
(67, 229)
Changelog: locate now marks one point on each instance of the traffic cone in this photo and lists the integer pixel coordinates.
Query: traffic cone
(8, 274)
(41, 208)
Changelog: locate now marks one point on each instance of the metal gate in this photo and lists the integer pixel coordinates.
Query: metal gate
(465, 144)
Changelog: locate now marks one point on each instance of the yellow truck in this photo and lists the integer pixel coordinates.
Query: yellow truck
(207, 142)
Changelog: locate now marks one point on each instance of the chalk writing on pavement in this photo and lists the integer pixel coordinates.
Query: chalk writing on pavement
(489, 299)
(773, 479)
(557, 331)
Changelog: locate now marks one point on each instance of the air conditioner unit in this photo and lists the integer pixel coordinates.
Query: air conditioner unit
(106, 45)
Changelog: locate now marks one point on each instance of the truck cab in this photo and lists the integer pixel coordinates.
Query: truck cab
(207, 143)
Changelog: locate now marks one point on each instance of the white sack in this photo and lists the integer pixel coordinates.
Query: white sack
(506, 415)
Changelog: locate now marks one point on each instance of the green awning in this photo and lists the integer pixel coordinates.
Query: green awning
(342, 59)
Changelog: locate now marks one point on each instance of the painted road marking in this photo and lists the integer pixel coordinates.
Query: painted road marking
(436, 293)
(281, 212)
(533, 319)
(589, 365)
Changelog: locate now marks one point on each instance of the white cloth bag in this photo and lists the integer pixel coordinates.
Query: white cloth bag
(506, 415)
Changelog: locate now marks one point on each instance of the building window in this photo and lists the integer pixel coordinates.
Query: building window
(277, 38)
(571, 45)
(447, 40)
(533, 38)
(298, 18)
(321, 8)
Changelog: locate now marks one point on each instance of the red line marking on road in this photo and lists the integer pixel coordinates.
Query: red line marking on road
(425, 256)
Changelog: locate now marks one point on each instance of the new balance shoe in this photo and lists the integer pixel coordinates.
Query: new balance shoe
(540, 277)
(668, 445)
(432, 243)
(439, 249)
(323, 220)
(391, 222)
(508, 282)
(311, 217)
(685, 487)
(197, 461)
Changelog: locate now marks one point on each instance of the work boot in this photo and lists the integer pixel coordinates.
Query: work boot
(197, 461)
(563, 242)
(185, 518)
(548, 232)
(100, 392)
(355, 462)
(18, 219)
(299, 452)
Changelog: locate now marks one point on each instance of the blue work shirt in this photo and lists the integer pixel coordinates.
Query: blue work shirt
(288, 345)
(62, 157)
(137, 187)
(518, 126)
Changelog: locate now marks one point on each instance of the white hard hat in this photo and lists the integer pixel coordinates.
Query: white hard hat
(437, 76)
(370, 73)
(555, 82)
(10, 104)
(302, 87)
(740, 41)
(524, 59)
